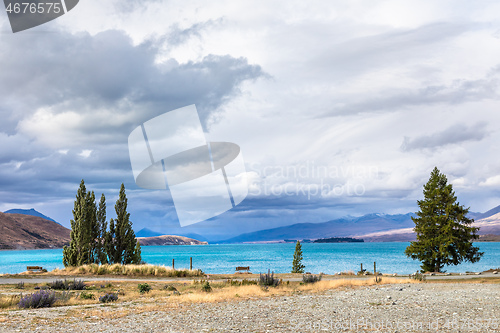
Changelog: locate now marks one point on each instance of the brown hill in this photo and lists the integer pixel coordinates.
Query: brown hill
(19, 231)
(169, 240)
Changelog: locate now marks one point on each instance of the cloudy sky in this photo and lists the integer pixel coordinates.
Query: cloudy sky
(340, 108)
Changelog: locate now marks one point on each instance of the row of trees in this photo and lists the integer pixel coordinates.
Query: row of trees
(91, 242)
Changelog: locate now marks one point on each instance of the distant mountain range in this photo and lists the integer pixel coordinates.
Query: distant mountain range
(31, 212)
(371, 228)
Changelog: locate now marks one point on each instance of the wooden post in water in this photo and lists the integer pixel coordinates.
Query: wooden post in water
(361, 268)
(173, 264)
(375, 270)
(190, 263)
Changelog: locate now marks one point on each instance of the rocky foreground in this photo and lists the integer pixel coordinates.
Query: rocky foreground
(426, 307)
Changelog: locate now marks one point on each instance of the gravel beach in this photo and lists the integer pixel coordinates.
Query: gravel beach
(426, 307)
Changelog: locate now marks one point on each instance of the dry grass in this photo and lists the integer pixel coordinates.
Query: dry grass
(8, 301)
(158, 299)
(126, 270)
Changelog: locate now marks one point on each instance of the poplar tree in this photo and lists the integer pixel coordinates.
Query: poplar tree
(102, 226)
(444, 232)
(77, 252)
(297, 266)
(122, 245)
(87, 230)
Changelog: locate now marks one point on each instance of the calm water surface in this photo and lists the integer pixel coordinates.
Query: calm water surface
(218, 259)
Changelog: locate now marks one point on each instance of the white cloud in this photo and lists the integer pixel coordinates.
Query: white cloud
(342, 84)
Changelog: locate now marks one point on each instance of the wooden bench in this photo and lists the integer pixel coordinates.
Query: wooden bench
(34, 268)
(239, 269)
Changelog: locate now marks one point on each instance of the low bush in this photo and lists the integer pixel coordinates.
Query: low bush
(417, 276)
(67, 285)
(144, 288)
(268, 280)
(206, 287)
(39, 299)
(311, 278)
(87, 295)
(169, 287)
(20, 285)
(108, 298)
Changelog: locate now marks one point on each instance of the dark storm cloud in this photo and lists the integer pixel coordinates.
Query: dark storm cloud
(83, 72)
(452, 135)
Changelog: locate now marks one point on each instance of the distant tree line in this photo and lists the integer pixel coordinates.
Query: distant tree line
(91, 242)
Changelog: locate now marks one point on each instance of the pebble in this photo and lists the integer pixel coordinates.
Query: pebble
(433, 301)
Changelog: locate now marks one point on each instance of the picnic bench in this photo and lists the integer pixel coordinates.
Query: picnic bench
(34, 268)
(240, 269)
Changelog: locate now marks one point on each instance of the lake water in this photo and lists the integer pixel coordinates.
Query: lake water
(219, 259)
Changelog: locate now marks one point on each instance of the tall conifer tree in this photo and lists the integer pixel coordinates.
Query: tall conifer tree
(444, 232)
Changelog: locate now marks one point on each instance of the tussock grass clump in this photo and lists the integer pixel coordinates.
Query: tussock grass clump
(39, 299)
(129, 270)
(8, 301)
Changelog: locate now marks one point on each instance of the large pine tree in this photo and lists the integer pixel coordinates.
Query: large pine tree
(444, 232)
(121, 244)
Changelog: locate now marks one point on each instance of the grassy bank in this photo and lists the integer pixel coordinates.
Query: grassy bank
(122, 270)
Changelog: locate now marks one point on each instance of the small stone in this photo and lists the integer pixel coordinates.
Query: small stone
(495, 272)
(389, 297)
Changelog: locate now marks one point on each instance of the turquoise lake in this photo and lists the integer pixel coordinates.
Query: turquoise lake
(219, 259)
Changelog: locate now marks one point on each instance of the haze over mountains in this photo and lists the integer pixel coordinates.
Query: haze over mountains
(31, 229)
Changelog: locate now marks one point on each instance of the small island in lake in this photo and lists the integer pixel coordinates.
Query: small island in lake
(339, 240)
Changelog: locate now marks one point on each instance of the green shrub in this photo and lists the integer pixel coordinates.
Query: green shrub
(86, 295)
(206, 287)
(144, 288)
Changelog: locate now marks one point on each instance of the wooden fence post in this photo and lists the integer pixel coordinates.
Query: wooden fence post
(190, 263)
(173, 264)
(375, 271)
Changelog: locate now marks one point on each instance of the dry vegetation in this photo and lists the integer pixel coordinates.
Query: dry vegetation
(161, 297)
(123, 270)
